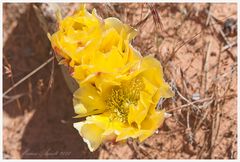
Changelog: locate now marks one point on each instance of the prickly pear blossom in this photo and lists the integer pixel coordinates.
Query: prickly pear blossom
(119, 89)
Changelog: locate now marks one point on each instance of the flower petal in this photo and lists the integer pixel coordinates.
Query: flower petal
(153, 121)
(119, 26)
(138, 113)
(154, 73)
(91, 133)
(87, 101)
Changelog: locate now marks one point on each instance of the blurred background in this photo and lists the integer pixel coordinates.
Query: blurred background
(197, 46)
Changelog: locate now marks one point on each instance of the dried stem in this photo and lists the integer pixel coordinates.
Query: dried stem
(28, 75)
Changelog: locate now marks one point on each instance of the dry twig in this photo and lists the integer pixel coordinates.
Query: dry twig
(28, 75)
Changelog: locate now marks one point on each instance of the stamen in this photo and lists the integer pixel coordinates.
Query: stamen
(121, 97)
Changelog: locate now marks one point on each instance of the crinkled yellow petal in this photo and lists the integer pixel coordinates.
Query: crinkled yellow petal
(102, 81)
(81, 72)
(119, 26)
(108, 62)
(87, 101)
(110, 39)
(91, 134)
(153, 121)
(98, 128)
(154, 73)
(138, 113)
(133, 133)
(105, 122)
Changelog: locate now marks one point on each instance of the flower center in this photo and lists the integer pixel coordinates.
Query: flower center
(121, 97)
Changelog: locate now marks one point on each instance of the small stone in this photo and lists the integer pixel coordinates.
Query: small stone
(196, 96)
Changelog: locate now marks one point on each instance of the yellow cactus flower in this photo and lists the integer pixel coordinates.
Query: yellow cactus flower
(126, 108)
(83, 38)
(119, 89)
